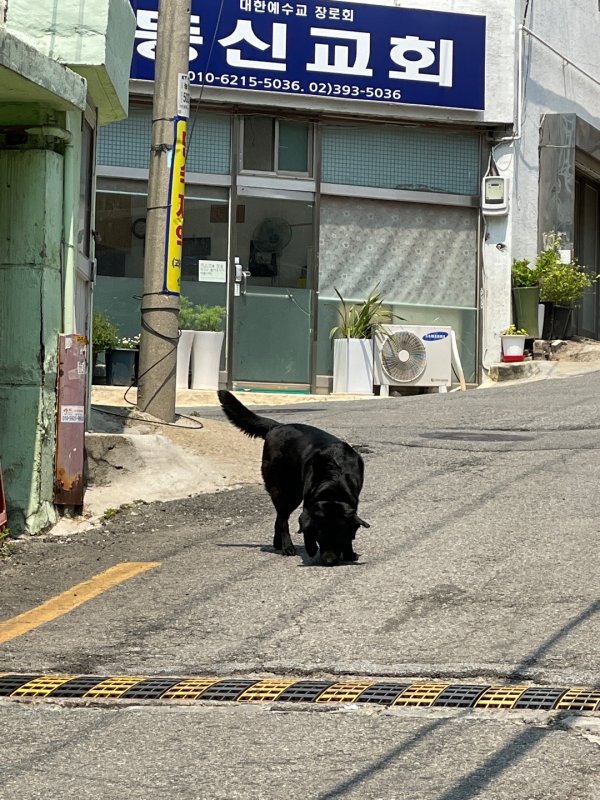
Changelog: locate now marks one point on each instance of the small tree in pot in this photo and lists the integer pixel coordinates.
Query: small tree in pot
(562, 286)
(105, 335)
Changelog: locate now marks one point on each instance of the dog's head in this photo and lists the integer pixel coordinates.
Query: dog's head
(331, 526)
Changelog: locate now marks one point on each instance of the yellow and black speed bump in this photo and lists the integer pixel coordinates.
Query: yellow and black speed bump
(421, 694)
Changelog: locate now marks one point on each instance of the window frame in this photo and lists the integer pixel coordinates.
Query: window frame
(276, 172)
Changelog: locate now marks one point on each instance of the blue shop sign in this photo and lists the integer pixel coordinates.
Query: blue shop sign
(339, 50)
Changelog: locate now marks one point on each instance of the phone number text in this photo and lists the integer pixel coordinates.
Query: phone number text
(269, 84)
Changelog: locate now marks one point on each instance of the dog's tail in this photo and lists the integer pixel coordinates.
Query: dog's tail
(247, 421)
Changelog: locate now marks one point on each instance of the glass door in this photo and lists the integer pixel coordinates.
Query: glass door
(205, 245)
(272, 295)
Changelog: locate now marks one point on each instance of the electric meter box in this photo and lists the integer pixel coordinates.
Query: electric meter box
(494, 195)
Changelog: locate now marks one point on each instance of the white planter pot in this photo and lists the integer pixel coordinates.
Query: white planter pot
(206, 359)
(513, 346)
(184, 352)
(353, 366)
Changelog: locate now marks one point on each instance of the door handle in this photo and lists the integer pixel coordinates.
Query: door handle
(245, 275)
(241, 276)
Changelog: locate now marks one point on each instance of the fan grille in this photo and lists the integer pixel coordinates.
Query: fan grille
(403, 357)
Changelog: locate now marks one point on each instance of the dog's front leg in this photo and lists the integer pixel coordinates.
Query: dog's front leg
(282, 539)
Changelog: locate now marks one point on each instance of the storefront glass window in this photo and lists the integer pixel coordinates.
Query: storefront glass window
(276, 146)
(293, 150)
(392, 157)
(422, 258)
(259, 144)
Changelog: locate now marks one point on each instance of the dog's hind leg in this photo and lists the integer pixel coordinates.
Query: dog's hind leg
(284, 506)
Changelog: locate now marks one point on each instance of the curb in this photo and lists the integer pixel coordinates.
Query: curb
(420, 694)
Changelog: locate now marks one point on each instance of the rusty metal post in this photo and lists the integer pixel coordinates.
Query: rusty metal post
(70, 424)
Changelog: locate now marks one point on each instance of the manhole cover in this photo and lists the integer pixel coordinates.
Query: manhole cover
(477, 436)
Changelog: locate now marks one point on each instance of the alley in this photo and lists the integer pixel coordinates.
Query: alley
(480, 567)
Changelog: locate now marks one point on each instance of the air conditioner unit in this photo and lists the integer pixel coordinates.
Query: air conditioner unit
(413, 355)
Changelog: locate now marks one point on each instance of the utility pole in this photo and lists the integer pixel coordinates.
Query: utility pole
(164, 220)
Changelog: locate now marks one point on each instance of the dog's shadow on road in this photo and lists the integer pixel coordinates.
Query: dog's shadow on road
(307, 561)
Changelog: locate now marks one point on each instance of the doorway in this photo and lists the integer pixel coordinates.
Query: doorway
(587, 251)
(271, 337)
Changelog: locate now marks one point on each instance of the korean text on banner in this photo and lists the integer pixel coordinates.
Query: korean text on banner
(174, 238)
(337, 49)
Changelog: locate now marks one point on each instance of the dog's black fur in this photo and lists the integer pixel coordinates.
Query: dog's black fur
(302, 464)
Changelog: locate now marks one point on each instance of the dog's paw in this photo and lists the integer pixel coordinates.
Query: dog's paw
(352, 556)
(290, 550)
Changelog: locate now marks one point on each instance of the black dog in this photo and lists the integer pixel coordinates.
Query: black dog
(302, 464)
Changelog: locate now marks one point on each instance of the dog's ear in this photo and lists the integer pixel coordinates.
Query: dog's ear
(304, 521)
(361, 522)
(310, 540)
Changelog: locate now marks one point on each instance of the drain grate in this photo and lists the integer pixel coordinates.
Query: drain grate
(539, 699)
(459, 696)
(283, 690)
(304, 691)
(77, 687)
(343, 692)
(226, 690)
(10, 682)
(264, 691)
(420, 694)
(150, 689)
(500, 697)
(580, 700)
(382, 694)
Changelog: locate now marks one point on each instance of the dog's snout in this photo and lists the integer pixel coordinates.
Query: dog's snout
(329, 559)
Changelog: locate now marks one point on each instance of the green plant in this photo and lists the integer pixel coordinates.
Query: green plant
(512, 330)
(360, 322)
(200, 318)
(104, 333)
(523, 274)
(5, 547)
(560, 283)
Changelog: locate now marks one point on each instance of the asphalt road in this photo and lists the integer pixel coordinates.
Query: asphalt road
(481, 565)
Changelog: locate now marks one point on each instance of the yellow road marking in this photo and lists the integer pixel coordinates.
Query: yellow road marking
(73, 597)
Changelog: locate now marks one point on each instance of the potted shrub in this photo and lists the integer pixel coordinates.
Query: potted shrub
(122, 362)
(104, 336)
(513, 343)
(526, 295)
(562, 285)
(202, 334)
(353, 347)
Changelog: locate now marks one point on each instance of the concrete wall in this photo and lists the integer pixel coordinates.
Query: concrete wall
(94, 39)
(552, 86)
(30, 294)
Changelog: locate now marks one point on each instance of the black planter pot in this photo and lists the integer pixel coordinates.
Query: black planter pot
(122, 366)
(557, 321)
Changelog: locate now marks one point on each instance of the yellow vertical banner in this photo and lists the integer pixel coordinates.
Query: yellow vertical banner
(174, 237)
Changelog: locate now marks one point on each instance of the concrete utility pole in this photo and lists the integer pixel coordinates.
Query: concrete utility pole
(164, 221)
